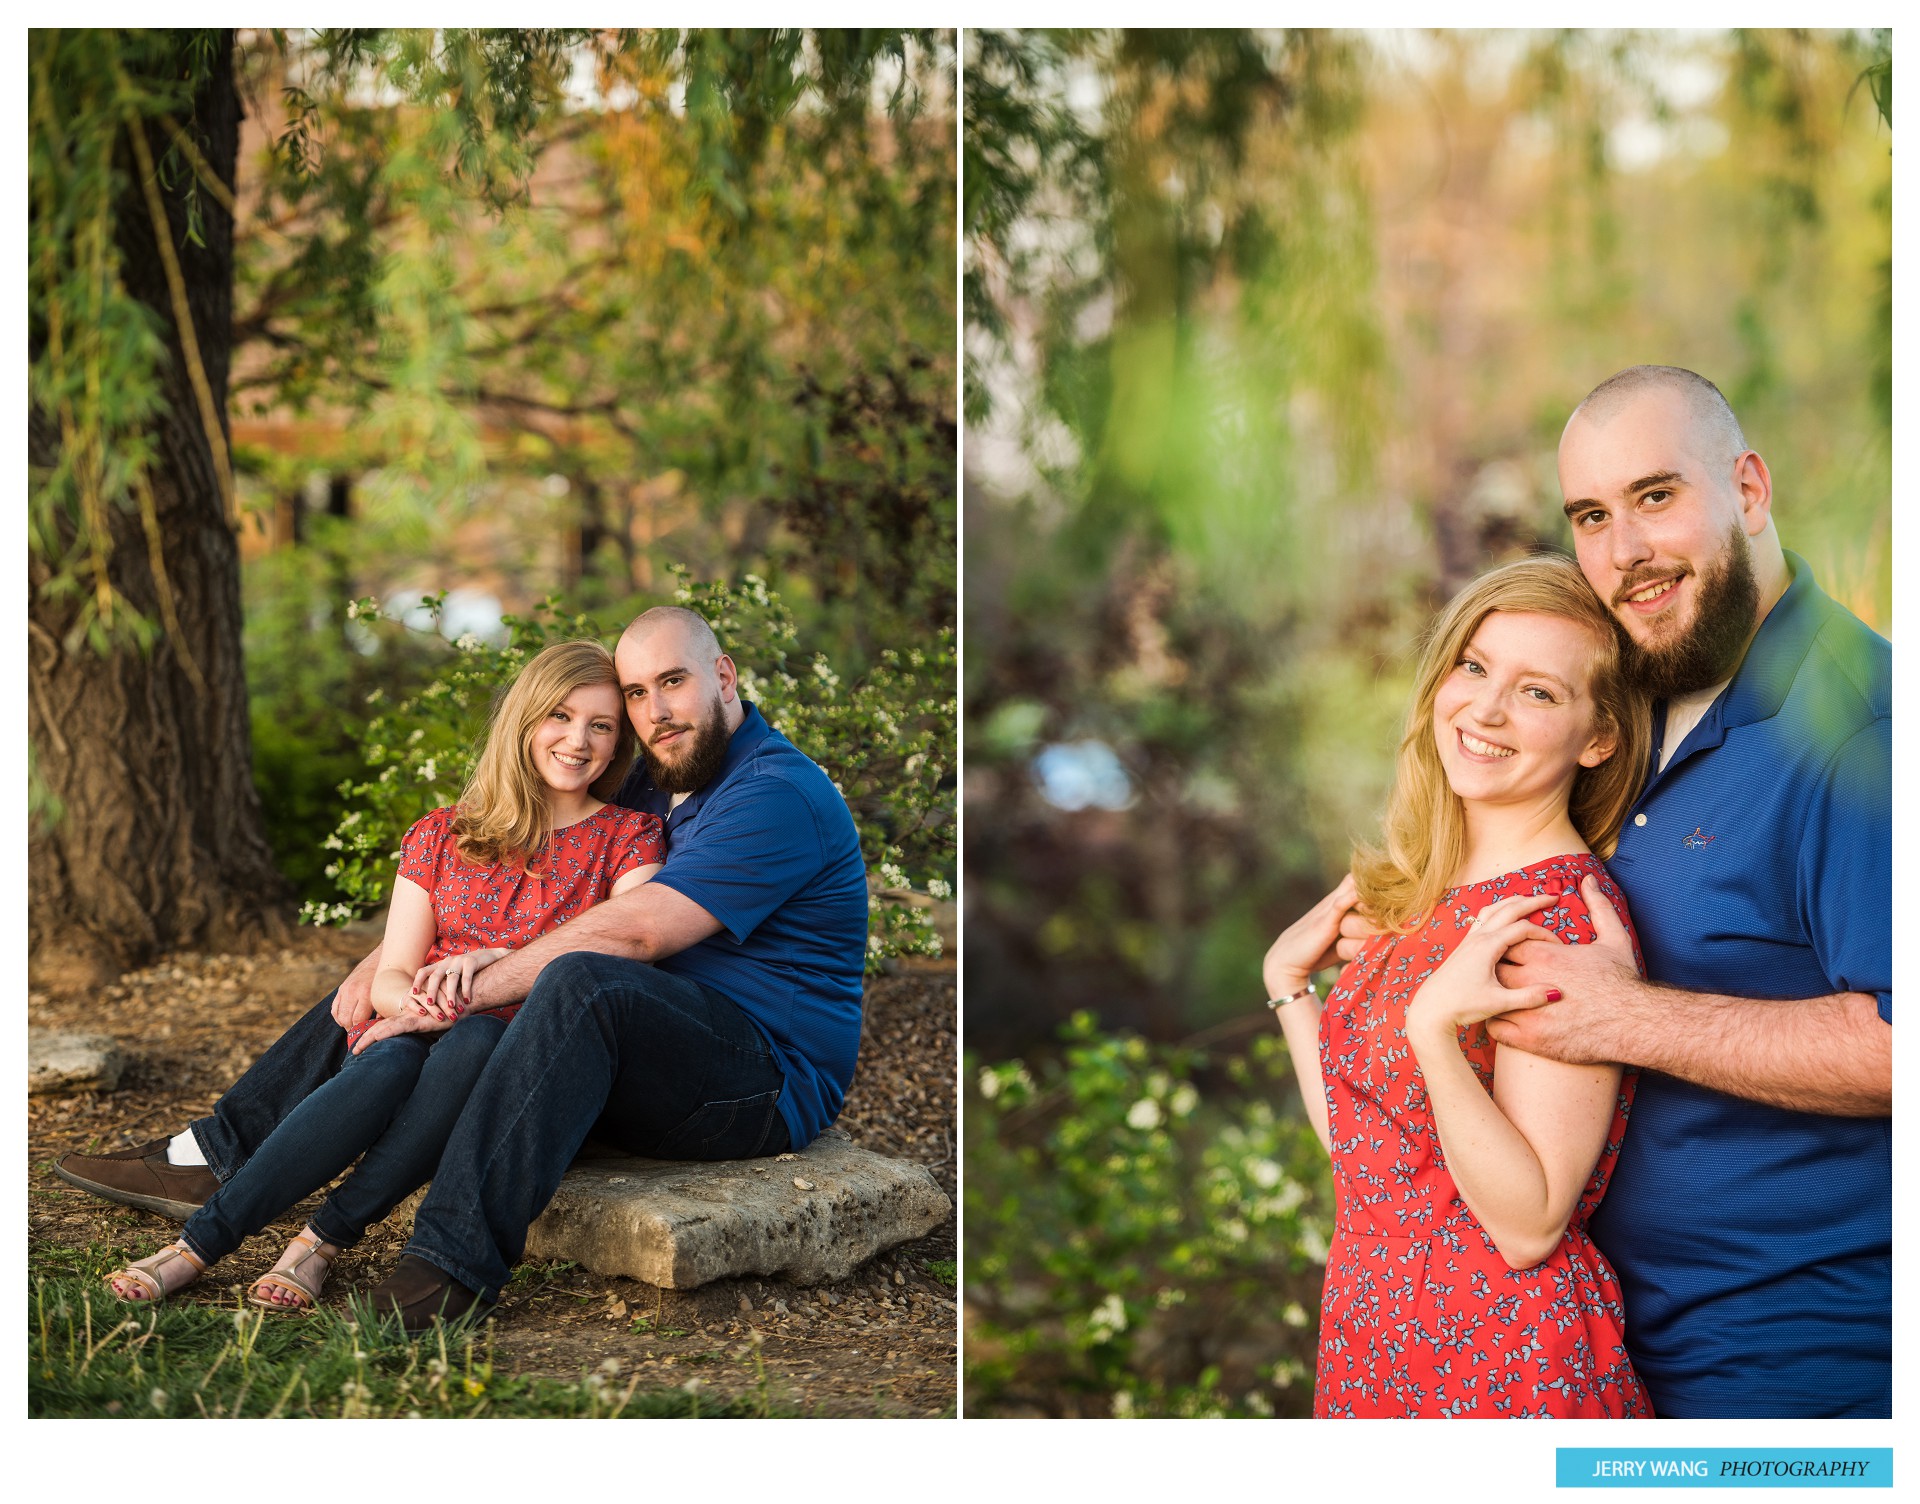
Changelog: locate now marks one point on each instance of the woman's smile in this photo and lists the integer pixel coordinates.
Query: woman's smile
(1477, 747)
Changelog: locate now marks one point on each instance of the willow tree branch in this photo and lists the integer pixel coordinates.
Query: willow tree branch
(163, 586)
(183, 317)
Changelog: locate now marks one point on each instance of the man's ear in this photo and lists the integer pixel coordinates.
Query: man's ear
(729, 677)
(1755, 485)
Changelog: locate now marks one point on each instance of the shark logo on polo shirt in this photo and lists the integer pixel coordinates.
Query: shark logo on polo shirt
(1696, 841)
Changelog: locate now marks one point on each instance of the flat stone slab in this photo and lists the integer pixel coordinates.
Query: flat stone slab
(810, 1217)
(59, 1062)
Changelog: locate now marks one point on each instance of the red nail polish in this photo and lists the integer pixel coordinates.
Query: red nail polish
(1553, 994)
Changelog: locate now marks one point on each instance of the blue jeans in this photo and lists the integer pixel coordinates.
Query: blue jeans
(397, 1100)
(635, 1057)
(640, 1059)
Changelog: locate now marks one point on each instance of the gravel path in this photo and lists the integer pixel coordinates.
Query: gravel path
(881, 1342)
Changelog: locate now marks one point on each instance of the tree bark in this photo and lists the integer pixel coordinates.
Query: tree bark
(158, 842)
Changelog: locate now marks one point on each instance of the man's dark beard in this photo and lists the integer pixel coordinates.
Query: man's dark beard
(1710, 649)
(700, 761)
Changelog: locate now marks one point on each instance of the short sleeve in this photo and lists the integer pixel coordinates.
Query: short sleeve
(1845, 874)
(640, 842)
(421, 846)
(1571, 921)
(755, 849)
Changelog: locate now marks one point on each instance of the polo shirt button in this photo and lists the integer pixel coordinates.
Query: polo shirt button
(1639, 819)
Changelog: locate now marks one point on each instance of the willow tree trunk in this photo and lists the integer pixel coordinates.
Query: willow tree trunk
(156, 839)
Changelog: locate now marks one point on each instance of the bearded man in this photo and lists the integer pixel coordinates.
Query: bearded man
(1750, 1213)
(712, 1013)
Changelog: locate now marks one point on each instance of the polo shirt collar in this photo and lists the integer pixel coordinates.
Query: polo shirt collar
(745, 741)
(1765, 675)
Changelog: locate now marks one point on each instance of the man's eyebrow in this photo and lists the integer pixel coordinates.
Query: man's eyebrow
(665, 673)
(1648, 482)
(1632, 488)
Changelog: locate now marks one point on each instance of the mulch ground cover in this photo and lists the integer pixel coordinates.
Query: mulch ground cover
(881, 1342)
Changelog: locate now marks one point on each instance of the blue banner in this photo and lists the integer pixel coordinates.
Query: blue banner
(1724, 1467)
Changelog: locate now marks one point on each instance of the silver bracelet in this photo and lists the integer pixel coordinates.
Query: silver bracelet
(1293, 997)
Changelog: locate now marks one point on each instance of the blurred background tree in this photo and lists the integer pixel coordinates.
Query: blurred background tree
(1270, 337)
(1270, 340)
(488, 314)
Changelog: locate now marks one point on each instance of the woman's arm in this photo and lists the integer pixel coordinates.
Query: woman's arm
(446, 987)
(633, 879)
(1300, 1023)
(1306, 946)
(410, 931)
(1522, 1155)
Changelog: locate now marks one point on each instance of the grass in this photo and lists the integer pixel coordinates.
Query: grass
(91, 1355)
(944, 1270)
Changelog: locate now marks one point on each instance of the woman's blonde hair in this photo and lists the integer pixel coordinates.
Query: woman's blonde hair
(503, 813)
(1423, 838)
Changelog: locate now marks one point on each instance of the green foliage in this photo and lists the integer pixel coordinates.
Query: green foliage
(1126, 1237)
(886, 739)
(739, 84)
(94, 350)
(91, 1355)
(1271, 338)
(944, 1270)
(734, 225)
(310, 671)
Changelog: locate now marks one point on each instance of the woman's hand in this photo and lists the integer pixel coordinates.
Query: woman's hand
(1465, 988)
(444, 990)
(1308, 944)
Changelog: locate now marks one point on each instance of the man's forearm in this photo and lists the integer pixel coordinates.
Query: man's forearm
(611, 928)
(1829, 1055)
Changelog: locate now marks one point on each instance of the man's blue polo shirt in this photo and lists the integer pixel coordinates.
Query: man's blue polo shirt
(1754, 1244)
(769, 849)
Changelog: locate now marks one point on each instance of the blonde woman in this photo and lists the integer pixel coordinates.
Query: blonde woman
(531, 843)
(1461, 1280)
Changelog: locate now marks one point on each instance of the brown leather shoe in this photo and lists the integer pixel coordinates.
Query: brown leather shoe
(417, 1292)
(140, 1177)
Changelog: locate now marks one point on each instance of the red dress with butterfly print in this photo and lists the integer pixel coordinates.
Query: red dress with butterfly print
(479, 906)
(1421, 1316)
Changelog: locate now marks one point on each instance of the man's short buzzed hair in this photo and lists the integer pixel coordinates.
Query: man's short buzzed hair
(1712, 414)
(700, 636)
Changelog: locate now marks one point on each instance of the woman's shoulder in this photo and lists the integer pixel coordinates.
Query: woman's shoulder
(434, 823)
(1572, 866)
(422, 845)
(1563, 875)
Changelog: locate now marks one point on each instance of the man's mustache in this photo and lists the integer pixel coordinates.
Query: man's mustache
(1641, 578)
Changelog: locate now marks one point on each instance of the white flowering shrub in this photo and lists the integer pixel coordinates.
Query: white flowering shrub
(1136, 1246)
(886, 739)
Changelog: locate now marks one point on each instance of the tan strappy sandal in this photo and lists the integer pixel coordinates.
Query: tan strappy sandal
(302, 1272)
(157, 1277)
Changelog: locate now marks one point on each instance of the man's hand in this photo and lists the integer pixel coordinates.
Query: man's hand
(353, 1000)
(1599, 984)
(1356, 929)
(403, 1023)
(1308, 944)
